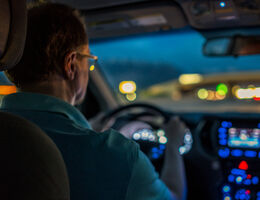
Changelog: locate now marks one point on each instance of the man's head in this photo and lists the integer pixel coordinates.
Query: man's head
(54, 51)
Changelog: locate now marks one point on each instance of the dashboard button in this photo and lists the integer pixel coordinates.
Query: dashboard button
(239, 180)
(222, 130)
(224, 153)
(226, 189)
(239, 172)
(227, 198)
(223, 142)
(222, 135)
(247, 182)
(231, 178)
(255, 180)
(237, 153)
(250, 154)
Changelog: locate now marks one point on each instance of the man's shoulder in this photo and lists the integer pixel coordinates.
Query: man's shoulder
(109, 144)
(113, 155)
(117, 143)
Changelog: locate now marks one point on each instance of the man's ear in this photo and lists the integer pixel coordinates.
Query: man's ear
(70, 65)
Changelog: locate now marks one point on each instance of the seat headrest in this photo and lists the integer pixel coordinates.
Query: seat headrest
(13, 19)
(31, 167)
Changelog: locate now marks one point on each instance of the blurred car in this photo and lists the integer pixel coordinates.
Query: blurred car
(196, 59)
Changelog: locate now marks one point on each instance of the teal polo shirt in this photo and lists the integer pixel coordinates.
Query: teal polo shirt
(100, 165)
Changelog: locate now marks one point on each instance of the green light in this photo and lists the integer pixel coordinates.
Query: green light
(222, 89)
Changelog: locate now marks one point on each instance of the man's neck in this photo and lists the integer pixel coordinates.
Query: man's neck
(58, 88)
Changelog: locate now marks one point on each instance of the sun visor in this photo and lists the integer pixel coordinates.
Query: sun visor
(12, 32)
(136, 18)
(96, 4)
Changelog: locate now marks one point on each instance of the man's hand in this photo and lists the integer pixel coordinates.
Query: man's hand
(173, 171)
(175, 130)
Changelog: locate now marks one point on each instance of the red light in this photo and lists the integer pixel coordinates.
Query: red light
(256, 98)
(243, 165)
(248, 192)
(249, 176)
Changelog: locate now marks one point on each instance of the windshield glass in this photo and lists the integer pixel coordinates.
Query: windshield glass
(170, 69)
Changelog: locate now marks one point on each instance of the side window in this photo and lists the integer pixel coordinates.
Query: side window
(6, 87)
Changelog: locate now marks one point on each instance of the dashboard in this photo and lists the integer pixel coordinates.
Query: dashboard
(238, 147)
(222, 154)
(225, 158)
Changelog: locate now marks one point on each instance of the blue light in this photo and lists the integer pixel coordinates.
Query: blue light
(162, 147)
(155, 155)
(247, 182)
(226, 188)
(259, 125)
(255, 180)
(244, 176)
(154, 150)
(224, 124)
(231, 178)
(222, 135)
(222, 4)
(236, 152)
(242, 196)
(258, 194)
(238, 172)
(222, 130)
(223, 153)
(250, 154)
(223, 142)
(160, 152)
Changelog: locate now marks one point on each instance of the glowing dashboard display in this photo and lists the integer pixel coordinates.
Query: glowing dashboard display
(244, 138)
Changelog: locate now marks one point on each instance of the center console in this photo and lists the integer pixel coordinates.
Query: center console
(237, 143)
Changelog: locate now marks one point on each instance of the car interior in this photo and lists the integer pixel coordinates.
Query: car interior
(196, 59)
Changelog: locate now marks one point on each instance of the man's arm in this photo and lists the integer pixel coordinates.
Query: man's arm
(173, 172)
(145, 183)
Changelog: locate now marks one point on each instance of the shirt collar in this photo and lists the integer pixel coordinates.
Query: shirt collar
(40, 102)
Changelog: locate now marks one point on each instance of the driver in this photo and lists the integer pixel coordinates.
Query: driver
(52, 77)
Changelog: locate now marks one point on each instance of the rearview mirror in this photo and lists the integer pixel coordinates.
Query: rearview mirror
(232, 46)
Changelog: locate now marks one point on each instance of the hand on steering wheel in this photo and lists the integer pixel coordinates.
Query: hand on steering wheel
(177, 133)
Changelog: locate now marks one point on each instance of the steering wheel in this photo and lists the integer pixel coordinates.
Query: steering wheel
(151, 138)
(148, 109)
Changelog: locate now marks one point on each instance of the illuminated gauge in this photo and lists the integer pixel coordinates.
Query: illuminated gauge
(136, 136)
(159, 137)
(145, 135)
(187, 143)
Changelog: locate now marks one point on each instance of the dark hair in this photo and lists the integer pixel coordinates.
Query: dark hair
(54, 30)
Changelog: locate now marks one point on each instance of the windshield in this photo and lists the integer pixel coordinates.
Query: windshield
(170, 68)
